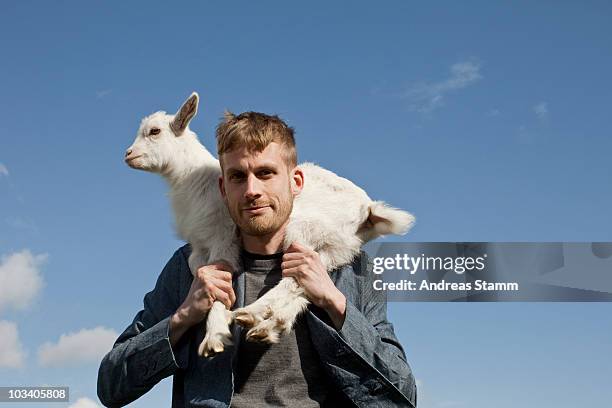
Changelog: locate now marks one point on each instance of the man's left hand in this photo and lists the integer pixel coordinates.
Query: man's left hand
(305, 266)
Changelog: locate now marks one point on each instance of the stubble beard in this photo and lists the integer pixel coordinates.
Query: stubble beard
(267, 223)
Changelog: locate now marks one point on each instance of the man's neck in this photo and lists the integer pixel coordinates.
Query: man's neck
(268, 244)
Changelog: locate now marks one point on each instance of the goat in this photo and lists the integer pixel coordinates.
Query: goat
(331, 216)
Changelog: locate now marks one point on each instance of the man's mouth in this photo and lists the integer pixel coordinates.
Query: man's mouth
(255, 210)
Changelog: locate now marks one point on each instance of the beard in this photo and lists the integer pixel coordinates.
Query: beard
(269, 222)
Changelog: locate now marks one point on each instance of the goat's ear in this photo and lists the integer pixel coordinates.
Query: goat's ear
(185, 114)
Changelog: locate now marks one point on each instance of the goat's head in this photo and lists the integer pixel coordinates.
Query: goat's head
(162, 138)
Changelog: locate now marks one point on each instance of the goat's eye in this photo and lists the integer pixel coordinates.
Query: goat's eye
(154, 131)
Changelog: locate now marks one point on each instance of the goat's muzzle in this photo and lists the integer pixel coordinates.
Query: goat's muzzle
(130, 159)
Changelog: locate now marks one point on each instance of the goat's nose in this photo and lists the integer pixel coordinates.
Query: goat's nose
(128, 152)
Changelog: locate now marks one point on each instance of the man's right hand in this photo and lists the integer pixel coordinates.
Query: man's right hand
(211, 282)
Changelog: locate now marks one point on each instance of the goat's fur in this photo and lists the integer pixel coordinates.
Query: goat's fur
(331, 215)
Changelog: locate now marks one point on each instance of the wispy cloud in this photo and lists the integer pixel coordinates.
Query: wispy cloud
(87, 345)
(103, 93)
(85, 403)
(493, 112)
(427, 97)
(22, 224)
(541, 110)
(20, 279)
(12, 354)
(3, 170)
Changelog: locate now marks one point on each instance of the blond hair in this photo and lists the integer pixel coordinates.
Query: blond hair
(255, 131)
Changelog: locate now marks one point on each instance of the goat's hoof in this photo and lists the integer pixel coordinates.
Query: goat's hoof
(245, 318)
(214, 344)
(266, 332)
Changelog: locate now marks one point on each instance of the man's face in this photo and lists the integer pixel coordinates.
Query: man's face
(258, 189)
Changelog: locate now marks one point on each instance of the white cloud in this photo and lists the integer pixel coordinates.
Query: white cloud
(541, 110)
(103, 93)
(3, 170)
(85, 403)
(12, 354)
(493, 112)
(427, 97)
(20, 279)
(87, 345)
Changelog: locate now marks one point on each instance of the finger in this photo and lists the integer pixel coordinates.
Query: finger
(221, 284)
(301, 247)
(208, 292)
(293, 247)
(290, 256)
(208, 270)
(232, 297)
(222, 275)
(223, 297)
(226, 287)
(291, 272)
(291, 263)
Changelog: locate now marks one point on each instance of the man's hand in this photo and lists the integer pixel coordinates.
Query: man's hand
(305, 266)
(211, 282)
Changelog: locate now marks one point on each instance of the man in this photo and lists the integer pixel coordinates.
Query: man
(342, 351)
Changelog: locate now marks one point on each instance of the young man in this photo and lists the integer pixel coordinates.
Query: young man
(342, 351)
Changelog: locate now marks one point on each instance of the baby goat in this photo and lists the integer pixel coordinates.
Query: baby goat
(331, 215)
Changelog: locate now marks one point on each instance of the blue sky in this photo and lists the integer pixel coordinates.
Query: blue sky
(490, 122)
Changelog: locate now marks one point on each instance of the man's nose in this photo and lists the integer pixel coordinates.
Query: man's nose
(253, 187)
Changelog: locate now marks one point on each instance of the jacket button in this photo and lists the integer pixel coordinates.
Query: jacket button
(341, 352)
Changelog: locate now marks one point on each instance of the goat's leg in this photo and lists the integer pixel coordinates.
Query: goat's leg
(218, 334)
(259, 310)
(284, 309)
(252, 314)
(218, 320)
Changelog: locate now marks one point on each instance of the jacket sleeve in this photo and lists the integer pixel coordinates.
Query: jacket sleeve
(142, 355)
(365, 351)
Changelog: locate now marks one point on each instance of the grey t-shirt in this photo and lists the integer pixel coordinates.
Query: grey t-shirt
(288, 373)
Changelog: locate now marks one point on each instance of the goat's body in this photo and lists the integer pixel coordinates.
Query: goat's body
(326, 217)
(327, 214)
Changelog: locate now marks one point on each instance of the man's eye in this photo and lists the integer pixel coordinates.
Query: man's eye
(236, 177)
(154, 131)
(265, 173)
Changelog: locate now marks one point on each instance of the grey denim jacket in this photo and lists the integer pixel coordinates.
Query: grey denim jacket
(363, 359)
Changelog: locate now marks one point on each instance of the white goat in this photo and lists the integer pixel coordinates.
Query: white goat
(331, 215)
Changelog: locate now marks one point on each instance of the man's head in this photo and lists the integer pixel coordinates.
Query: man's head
(259, 174)
(255, 131)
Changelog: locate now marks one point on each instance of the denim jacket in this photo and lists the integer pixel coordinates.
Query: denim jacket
(363, 359)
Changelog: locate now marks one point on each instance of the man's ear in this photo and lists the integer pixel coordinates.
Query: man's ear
(222, 188)
(297, 181)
